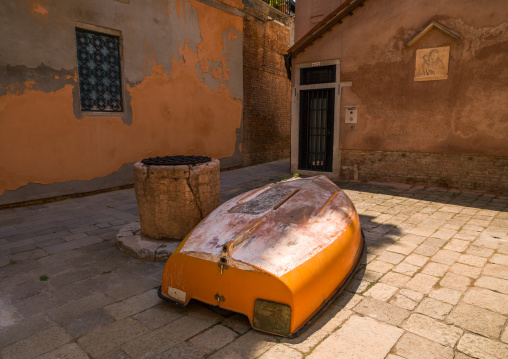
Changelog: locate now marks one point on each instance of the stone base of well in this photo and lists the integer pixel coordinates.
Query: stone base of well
(172, 200)
(133, 242)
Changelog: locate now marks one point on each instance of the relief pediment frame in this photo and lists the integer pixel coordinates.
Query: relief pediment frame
(432, 63)
(433, 25)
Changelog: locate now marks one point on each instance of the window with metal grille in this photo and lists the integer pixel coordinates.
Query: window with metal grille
(100, 87)
(317, 75)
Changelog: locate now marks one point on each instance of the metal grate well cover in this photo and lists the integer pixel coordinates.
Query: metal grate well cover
(175, 160)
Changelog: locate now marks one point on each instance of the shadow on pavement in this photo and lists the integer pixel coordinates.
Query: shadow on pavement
(431, 194)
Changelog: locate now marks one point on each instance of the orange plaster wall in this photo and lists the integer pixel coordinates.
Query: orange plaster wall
(41, 140)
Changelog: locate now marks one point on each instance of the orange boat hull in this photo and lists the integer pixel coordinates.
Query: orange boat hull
(281, 301)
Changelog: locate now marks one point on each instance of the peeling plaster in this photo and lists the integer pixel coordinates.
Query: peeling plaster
(37, 8)
(478, 38)
(15, 79)
(173, 103)
(215, 73)
(234, 45)
(207, 77)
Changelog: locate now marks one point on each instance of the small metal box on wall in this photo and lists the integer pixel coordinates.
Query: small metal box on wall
(351, 114)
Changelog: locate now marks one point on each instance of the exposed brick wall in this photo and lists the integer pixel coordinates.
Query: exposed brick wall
(480, 173)
(267, 90)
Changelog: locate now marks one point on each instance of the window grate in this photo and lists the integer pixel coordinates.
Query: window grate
(99, 71)
(317, 75)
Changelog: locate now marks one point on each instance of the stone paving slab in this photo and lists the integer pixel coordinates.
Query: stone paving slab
(68, 351)
(495, 284)
(432, 329)
(250, 345)
(382, 311)
(359, 337)
(133, 305)
(213, 339)
(434, 308)
(281, 351)
(322, 328)
(107, 338)
(487, 299)
(172, 334)
(434, 283)
(37, 344)
(483, 348)
(477, 320)
(416, 347)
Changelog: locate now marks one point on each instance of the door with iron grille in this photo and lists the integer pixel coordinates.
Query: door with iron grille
(316, 129)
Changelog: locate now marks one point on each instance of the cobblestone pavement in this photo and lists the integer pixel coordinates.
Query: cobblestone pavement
(435, 283)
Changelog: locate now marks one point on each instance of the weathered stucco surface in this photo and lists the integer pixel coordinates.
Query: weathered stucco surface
(311, 12)
(465, 114)
(182, 82)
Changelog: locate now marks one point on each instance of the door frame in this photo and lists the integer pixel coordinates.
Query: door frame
(295, 117)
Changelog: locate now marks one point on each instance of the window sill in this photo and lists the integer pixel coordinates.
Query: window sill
(101, 114)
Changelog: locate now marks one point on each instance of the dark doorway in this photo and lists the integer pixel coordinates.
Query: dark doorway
(316, 130)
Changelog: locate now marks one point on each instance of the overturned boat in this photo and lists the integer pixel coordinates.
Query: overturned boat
(278, 254)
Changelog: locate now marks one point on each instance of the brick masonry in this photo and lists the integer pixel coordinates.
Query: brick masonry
(267, 90)
(467, 172)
